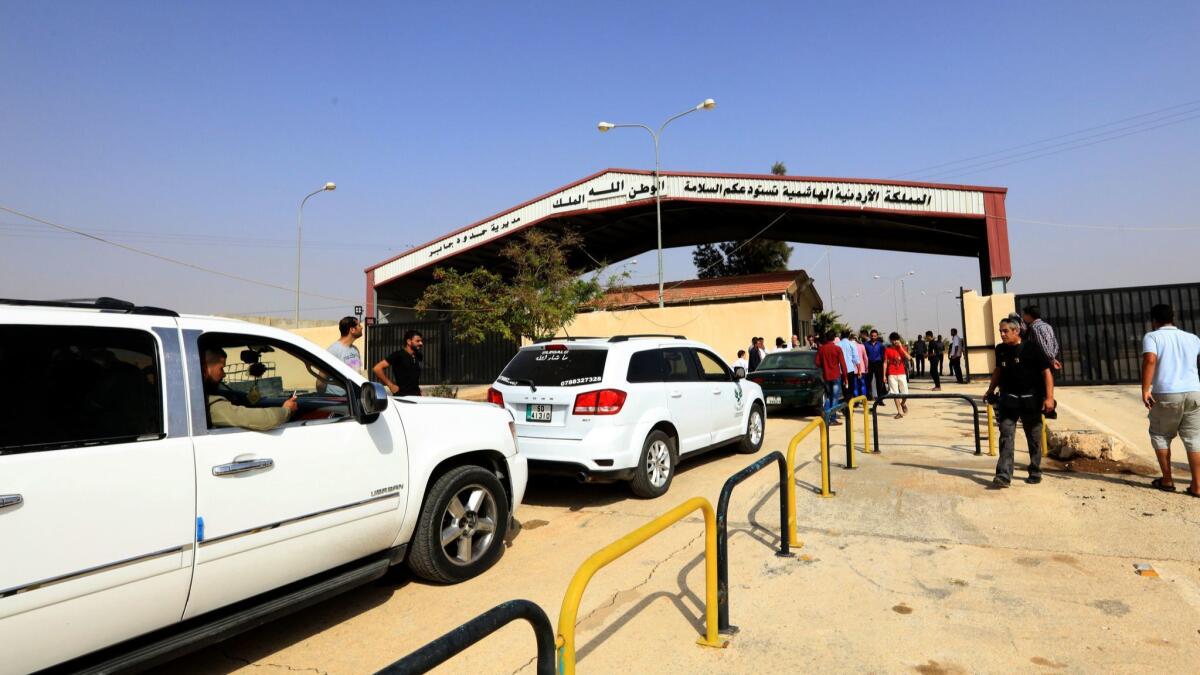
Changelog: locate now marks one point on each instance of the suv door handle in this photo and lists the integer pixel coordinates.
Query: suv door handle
(677, 394)
(234, 468)
(717, 391)
(11, 500)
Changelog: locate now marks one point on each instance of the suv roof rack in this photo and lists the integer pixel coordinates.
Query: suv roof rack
(626, 338)
(568, 338)
(103, 304)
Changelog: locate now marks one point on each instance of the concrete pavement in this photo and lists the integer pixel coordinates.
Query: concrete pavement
(912, 567)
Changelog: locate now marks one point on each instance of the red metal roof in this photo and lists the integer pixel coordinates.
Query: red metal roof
(700, 290)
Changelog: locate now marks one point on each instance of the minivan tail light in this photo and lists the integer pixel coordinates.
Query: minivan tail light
(495, 397)
(600, 402)
(554, 348)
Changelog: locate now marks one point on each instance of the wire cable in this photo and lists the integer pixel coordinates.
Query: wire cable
(1152, 113)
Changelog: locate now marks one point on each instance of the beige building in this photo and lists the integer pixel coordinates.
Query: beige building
(724, 312)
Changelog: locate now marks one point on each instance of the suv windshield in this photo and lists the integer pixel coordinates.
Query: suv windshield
(555, 366)
(789, 361)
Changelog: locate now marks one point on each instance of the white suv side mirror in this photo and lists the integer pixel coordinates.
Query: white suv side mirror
(739, 373)
(373, 398)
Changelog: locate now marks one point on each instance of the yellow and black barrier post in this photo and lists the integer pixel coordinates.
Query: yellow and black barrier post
(818, 423)
(568, 615)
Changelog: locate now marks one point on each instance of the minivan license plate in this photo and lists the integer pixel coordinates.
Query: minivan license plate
(774, 400)
(537, 412)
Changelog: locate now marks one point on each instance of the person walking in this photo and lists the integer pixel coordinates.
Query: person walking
(851, 353)
(875, 349)
(939, 346)
(918, 351)
(932, 354)
(956, 354)
(861, 386)
(780, 345)
(1171, 392)
(406, 366)
(1042, 333)
(1026, 393)
(741, 362)
(832, 362)
(344, 348)
(755, 355)
(896, 357)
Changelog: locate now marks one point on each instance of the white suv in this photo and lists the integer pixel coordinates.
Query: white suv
(626, 408)
(126, 510)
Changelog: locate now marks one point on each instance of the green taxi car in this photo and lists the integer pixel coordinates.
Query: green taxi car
(790, 379)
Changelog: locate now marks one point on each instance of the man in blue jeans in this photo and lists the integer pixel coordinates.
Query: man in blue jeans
(875, 348)
(834, 373)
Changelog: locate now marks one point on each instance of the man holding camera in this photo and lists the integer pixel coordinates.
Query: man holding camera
(1026, 392)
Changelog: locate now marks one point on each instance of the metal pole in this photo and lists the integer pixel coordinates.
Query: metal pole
(896, 308)
(299, 221)
(829, 271)
(658, 216)
(904, 295)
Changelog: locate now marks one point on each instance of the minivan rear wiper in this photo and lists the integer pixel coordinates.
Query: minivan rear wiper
(515, 380)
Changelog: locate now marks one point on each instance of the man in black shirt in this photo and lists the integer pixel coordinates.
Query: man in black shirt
(406, 367)
(1026, 392)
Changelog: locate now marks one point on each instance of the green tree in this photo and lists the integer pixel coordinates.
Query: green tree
(745, 256)
(542, 295)
(829, 321)
(866, 328)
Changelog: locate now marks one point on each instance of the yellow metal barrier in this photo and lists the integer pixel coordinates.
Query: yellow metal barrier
(567, 617)
(794, 539)
(991, 431)
(866, 425)
(992, 434)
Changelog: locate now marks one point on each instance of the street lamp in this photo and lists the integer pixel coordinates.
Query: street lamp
(937, 307)
(706, 104)
(895, 301)
(328, 187)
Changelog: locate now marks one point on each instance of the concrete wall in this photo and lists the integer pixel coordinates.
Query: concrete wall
(981, 314)
(727, 327)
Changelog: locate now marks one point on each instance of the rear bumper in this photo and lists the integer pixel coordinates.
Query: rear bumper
(793, 396)
(579, 472)
(603, 450)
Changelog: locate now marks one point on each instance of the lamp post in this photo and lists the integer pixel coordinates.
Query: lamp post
(328, 187)
(937, 308)
(895, 300)
(706, 104)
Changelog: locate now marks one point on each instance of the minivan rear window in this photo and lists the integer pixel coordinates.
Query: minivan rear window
(555, 367)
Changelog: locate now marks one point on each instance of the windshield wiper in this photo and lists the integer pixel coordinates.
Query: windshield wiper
(514, 380)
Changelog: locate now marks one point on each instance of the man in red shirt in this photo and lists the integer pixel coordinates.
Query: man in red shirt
(832, 362)
(894, 358)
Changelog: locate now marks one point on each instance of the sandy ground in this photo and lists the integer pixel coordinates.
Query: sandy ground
(912, 567)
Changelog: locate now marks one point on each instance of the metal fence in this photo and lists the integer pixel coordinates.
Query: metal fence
(446, 359)
(1100, 332)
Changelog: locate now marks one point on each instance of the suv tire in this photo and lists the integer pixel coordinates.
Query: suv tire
(659, 457)
(756, 430)
(466, 501)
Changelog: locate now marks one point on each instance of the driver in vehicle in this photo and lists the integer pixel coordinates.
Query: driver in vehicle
(223, 413)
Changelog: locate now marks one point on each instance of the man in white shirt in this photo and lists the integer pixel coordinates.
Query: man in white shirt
(741, 362)
(1171, 391)
(956, 353)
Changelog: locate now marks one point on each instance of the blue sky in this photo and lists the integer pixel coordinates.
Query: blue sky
(194, 131)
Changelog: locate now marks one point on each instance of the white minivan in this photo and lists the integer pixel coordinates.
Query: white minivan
(626, 408)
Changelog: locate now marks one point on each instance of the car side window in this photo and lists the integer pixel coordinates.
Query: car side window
(646, 366)
(72, 386)
(679, 366)
(712, 369)
(263, 373)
